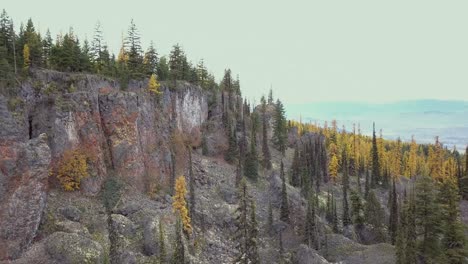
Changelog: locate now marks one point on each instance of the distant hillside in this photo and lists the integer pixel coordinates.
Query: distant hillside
(424, 119)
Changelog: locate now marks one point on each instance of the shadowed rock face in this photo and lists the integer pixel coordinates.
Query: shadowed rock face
(24, 192)
(126, 132)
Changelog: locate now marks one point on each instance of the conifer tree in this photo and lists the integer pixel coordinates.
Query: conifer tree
(191, 186)
(242, 225)
(252, 243)
(295, 169)
(402, 234)
(453, 242)
(393, 221)
(335, 216)
(26, 58)
(375, 161)
(162, 243)
(153, 85)
(279, 132)
(150, 60)
(265, 148)
(135, 57)
(411, 236)
(251, 162)
(162, 69)
(374, 214)
(178, 256)
(310, 225)
(357, 210)
(346, 217)
(270, 97)
(367, 184)
(284, 209)
(427, 219)
(232, 150)
(179, 204)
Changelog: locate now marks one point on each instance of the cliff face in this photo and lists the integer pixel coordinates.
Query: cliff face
(123, 133)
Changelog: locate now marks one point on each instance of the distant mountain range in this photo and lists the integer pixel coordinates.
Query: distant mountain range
(424, 119)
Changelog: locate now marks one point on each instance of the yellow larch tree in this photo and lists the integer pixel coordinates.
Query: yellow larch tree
(411, 165)
(333, 165)
(26, 57)
(179, 204)
(153, 85)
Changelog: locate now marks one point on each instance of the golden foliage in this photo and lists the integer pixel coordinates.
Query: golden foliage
(71, 169)
(26, 57)
(179, 205)
(153, 85)
(333, 167)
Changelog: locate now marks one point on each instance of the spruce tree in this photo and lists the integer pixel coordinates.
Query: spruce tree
(279, 131)
(178, 256)
(284, 209)
(346, 217)
(242, 226)
(251, 162)
(375, 161)
(453, 242)
(427, 219)
(265, 148)
(310, 224)
(135, 57)
(252, 243)
(393, 220)
(374, 215)
(357, 210)
(402, 234)
(367, 184)
(162, 243)
(150, 60)
(411, 236)
(295, 169)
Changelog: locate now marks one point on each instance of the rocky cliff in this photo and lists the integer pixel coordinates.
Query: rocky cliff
(125, 134)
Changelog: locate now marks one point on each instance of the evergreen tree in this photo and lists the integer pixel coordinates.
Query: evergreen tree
(202, 73)
(427, 219)
(176, 61)
(135, 57)
(357, 210)
(367, 184)
(265, 148)
(242, 225)
(335, 215)
(453, 242)
(310, 224)
(98, 48)
(178, 256)
(270, 97)
(162, 69)
(150, 60)
(252, 243)
(232, 151)
(402, 234)
(280, 132)
(346, 217)
(411, 236)
(393, 221)
(284, 209)
(375, 161)
(374, 215)
(295, 169)
(251, 161)
(162, 243)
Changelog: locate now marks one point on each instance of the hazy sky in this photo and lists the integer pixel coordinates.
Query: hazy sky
(308, 50)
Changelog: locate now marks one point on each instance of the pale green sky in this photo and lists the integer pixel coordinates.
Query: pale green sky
(360, 50)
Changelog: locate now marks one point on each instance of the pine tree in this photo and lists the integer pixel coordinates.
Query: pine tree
(374, 214)
(179, 204)
(150, 60)
(453, 242)
(270, 97)
(162, 69)
(357, 210)
(402, 234)
(242, 226)
(265, 148)
(284, 209)
(162, 243)
(295, 169)
(135, 57)
(251, 161)
(178, 256)
(232, 151)
(375, 161)
(427, 219)
(176, 61)
(346, 217)
(393, 221)
(279, 135)
(310, 224)
(97, 48)
(252, 243)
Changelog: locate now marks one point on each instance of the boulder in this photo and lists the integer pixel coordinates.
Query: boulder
(70, 248)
